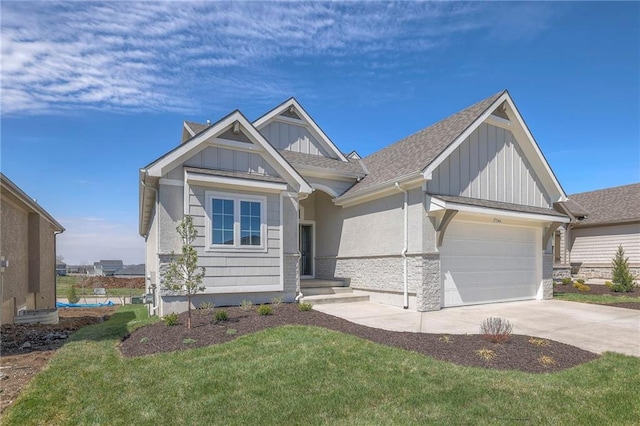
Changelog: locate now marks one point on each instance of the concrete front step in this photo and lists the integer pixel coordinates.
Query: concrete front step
(313, 283)
(321, 299)
(315, 291)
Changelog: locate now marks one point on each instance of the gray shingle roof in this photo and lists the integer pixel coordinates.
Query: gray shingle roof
(297, 158)
(414, 153)
(610, 205)
(196, 127)
(498, 205)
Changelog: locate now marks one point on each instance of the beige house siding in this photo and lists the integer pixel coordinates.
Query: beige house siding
(490, 165)
(597, 245)
(28, 244)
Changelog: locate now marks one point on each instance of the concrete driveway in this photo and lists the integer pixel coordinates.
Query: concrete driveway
(595, 328)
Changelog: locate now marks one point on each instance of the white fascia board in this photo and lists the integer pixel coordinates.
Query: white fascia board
(379, 191)
(315, 130)
(538, 217)
(232, 182)
(547, 172)
(427, 172)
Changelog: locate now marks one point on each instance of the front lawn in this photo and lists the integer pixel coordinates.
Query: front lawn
(598, 294)
(301, 374)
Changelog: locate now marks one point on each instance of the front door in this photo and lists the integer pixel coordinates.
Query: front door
(306, 250)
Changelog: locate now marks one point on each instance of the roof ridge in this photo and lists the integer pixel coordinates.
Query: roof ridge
(604, 189)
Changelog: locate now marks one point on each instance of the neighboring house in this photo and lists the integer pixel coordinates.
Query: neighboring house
(130, 271)
(107, 268)
(61, 268)
(601, 221)
(459, 213)
(28, 252)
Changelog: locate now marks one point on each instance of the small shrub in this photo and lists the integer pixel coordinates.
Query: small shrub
(576, 285)
(546, 361)
(264, 310)
(445, 339)
(486, 354)
(566, 281)
(170, 319)
(538, 342)
(609, 284)
(276, 301)
(580, 280)
(231, 331)
(144, 340)
(496, 330)
(584, 288)
(221, 315)
(246, 305)
(305, 307)
(206, 307)
(188, 341)
(72, 295)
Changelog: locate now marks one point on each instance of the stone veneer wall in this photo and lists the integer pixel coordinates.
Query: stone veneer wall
(547, 276)
(561, 271)
(385, 274)
(596, 271)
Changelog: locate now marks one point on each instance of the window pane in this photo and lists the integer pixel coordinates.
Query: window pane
(222, 218)
(255, 209)
(250, 221)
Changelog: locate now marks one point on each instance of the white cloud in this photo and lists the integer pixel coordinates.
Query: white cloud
(89, 239)
(140, 56)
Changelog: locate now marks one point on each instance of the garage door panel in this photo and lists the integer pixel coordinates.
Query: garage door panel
(483, 263)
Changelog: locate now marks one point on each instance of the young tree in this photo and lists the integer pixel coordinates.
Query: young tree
(623, 280)
(182, 274)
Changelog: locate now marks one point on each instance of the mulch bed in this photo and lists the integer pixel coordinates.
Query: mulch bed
(516, 354)
(598, 289)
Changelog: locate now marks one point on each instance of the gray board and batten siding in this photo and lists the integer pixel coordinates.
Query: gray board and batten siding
(290, 137)
(490, 165)
(227, 159)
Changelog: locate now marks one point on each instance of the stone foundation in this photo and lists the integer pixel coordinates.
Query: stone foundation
(560, 272)
(598, 271)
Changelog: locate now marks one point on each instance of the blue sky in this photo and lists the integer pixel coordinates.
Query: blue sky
(91, 92)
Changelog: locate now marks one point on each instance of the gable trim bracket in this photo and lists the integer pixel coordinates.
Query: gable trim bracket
(444, 223)
(549, 232)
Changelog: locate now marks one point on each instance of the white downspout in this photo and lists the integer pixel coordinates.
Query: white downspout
(155, 306)
(406, 245)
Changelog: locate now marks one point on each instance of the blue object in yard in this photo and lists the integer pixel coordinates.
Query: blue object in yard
(83, 305)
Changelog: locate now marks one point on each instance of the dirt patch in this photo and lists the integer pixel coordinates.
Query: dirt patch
(26, 349)
(519, 353)
(111, 282)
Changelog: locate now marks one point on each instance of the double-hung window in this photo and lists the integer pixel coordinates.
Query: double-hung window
(236, 221)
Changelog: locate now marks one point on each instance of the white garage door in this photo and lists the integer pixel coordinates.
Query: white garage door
(483, 263)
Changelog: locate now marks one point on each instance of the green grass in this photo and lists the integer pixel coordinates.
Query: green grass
(593, 298)
(64, 283)
(309, 375)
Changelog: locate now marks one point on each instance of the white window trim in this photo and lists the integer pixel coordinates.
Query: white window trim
(236, 247)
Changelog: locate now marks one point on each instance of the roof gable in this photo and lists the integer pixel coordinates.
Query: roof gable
(420, 154)
(291, 112)
(245, 137)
